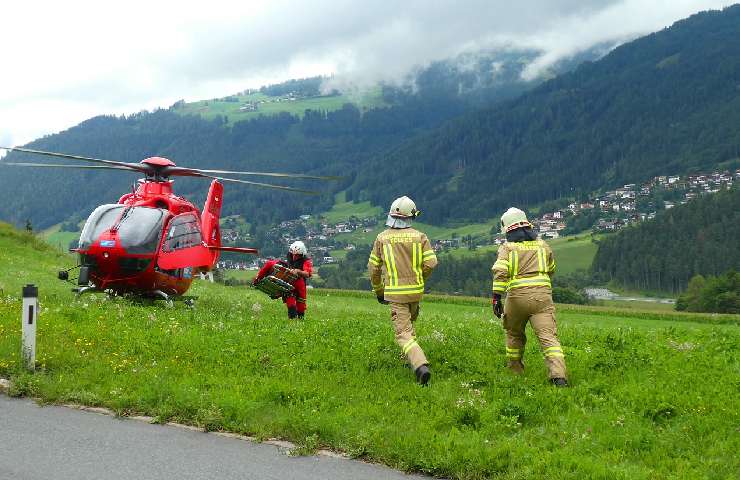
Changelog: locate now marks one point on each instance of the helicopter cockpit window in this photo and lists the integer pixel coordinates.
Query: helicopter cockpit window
(183, 232)
(140, 230)
(100, 220)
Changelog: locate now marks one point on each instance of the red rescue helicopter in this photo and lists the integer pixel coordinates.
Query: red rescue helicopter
(152, 242)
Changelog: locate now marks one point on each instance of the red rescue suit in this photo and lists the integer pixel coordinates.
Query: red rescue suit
(296, 300)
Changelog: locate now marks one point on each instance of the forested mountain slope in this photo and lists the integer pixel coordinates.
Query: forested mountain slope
(700, 237)
(317, 141)
(337, 142)
(665, 103)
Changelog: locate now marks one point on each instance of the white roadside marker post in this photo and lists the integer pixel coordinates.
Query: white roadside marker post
(29, 318)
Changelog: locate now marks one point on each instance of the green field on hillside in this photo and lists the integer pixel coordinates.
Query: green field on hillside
(572, 253)
(654, 394)
(54, 236)
(434, 232)
(268, 105)
(342, 210)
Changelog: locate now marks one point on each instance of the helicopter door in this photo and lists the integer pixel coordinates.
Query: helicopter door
(182, 244)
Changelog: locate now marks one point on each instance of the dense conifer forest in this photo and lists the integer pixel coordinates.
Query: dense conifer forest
(667, 103)
(663, 104)
(699, 238)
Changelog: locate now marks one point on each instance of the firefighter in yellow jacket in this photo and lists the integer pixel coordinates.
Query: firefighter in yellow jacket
(523, 270)
(408, 259)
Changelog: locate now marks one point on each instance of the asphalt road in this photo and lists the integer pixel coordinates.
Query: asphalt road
(64, 443)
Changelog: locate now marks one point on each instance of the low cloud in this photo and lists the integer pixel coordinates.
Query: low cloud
(76, 59)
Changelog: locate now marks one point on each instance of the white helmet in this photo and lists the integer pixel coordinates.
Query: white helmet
(298, 248)
(404, 208)
(513, 218)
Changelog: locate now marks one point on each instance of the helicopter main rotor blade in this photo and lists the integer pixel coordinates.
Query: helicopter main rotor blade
(267, 185)
(194, 173)
(265, 174)
(48, 165)
(133, 166)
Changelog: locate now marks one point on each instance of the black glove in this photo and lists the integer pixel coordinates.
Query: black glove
(381, 299)
(498, 306)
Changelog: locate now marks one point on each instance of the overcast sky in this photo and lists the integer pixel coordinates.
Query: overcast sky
(64, 62)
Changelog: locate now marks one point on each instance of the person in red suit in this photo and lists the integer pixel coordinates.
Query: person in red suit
(300, 265)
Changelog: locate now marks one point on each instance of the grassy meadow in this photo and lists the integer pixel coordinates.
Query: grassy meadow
(653, 396)
(572, 253)
(54, 236)
(268, 105)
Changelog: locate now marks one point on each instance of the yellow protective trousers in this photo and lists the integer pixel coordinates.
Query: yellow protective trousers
(403, 316)
(534, 305)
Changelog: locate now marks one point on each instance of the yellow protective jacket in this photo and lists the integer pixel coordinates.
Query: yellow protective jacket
(523, 264)
(407, 258)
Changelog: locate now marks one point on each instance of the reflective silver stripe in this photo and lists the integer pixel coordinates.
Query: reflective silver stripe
(541, 261)
(388, 268)
(393, 263)
(405, 288)
(513, 352)
(374, 259)
(501, 265)
(409, 345)
(539, 280)
(416, 262)
(554, 352)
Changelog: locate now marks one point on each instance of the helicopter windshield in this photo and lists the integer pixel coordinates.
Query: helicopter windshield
(139, 229)
(100, 220)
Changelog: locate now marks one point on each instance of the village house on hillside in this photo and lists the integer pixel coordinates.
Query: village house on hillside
(621, 207)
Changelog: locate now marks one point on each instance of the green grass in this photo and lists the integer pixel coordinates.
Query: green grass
(434, 232)
(639, 305)
(209, 109)
(240, 274)
(572, 253)
(61, 240)
(342, 210)
(654, 394)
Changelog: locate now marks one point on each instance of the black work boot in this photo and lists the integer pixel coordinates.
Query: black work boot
(516, 367)
(292, 312)
(559, 382)
(423, 375)
(300, 316)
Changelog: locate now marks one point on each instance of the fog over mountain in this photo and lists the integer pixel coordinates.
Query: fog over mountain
(77, 60)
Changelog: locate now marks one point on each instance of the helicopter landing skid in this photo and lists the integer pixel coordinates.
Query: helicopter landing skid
(79, 291)
(160, 294)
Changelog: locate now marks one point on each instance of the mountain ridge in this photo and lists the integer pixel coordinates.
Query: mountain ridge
(664, 102)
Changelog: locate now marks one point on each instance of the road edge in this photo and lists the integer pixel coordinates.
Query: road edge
(284, 446)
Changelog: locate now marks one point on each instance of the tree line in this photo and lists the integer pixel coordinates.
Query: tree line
(466, 275)
(664, 104)
(698, 238)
